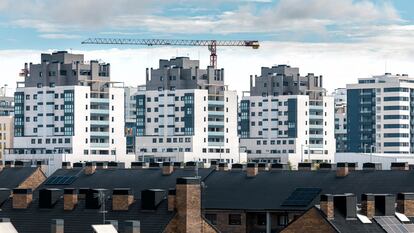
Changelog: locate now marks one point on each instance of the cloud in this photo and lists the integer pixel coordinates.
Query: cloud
(59, 36)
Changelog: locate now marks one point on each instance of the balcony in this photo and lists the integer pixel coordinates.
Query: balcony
(99, 134)
(216, 113)
(215, 134)
(100, 111)
(218, 144)
(104, 123)
(216, 123)
(100, 145)
(100, 100)
(215, 103)
(318, 117)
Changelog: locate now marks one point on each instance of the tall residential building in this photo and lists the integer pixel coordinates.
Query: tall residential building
(380, 114)
(68, 109)
(186, 114)
(130, 118)
(6, 105)
(340, 119)
(287, 118)
(6, 134)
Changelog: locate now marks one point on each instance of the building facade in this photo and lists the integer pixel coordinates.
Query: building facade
(6, 105)
(380, 114)
(6, 134)
(68, 109)
(130, 118)
(340, 119)
(186, 114)
(287, 118)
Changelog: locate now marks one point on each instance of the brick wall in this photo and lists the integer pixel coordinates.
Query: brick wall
(310, 222)
(34, 180)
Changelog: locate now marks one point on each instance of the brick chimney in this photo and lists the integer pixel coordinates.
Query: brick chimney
(167, 168)
(327, 205)
(178, 165)
(305, 166)
(252, 169)
(188, 204)
(191, 165)
(139, 165)
(101, 165)
(132, 226)
(402, 166)
(223, 167)
(22, 198)
(342, 169)
(70, 199)
(66, 165)
(171, 199)
(90, 168)
(352, 166)
(405, 204)
(122, 198)
(368, 205)
(57, 226)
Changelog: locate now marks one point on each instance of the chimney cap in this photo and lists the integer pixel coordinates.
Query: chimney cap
(305, 164)
(121, 191)
(399, 164)
(69, 191)
(262, 164)
(237, 166)
(190, 163)
(405, 196)
(22, 191)
(172, 191)
(341, 164)
(222, 164)
(164, 164)
(188, 180)
(89, 164)
(154, 165)
(326, 197)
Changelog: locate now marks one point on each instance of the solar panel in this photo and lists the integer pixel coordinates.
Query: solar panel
(390, 224)
(60, 180)
(301, 197)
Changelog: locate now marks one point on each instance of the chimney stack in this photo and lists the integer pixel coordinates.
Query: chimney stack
(252, 169)
(378, 204)
(101, 165)
(49, 197)
(352, 166)
(78, 165)
(70, 199)
(191, 165)
(214, 164)
(368, 205)
(132, 226)
(188, 200)
(18, 163)
(66, 165)
(122, 198)
(167, 168)
(22, 198)
(178, 165)
(327, 205)
(342, 169)
(113, 165)
(171, 199)
(305, 166)
(90, 168)
(151, 198)
(57, 226)
(154, 165)
(402, 166)
(405, 204)
(371, 167)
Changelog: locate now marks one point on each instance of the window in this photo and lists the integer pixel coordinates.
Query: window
(212, 218)
(234, 219)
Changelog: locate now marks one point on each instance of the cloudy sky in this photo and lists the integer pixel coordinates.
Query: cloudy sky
(339, 39)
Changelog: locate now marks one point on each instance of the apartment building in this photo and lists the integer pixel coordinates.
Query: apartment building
(130, 118)
(186, 113)
(340, 119)
(287, 118)
(68, 109)
(6, 133)
(380, 114)
(6, 105)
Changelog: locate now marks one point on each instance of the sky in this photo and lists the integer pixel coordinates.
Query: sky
(343, 40)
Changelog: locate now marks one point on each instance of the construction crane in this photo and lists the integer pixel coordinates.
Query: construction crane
(211, 44)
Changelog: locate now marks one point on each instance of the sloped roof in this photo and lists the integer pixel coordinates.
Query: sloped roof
(12, 177)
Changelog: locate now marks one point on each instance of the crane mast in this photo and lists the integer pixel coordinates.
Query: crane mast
(211, 44)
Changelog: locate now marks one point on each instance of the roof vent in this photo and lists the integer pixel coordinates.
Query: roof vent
(139, 165)
(327, 167)
(49, 197)
(237, 167)
(401, 166)
(305, 166)
(372, 166)
(279, 167)
(151, 198)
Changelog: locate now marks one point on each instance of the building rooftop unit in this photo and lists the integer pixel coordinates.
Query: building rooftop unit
(387, 78)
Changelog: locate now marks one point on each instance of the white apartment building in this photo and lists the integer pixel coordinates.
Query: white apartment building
(380, 115)
(287, 118)
(130, 117)
(68, 110)
(340, 119)
(187, 114)
(6, 133)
